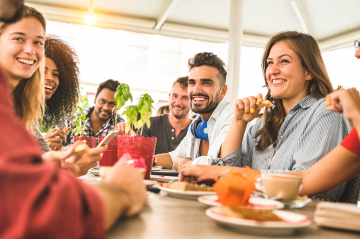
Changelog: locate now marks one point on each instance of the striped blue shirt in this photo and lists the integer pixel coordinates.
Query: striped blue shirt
(308, 133)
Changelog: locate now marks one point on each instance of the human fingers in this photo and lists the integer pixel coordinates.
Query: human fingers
(50, 134)
(129, 180)
(252, 101)
(259, 97)
(191, 171)
(54, 145)
(56, 133)
(247, 107)
(71, 167)
(98, 150)
(69, 155)
(239, 109)
(120, 127)
(176, 163)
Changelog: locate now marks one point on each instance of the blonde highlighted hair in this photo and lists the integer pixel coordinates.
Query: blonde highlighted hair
(29, 94)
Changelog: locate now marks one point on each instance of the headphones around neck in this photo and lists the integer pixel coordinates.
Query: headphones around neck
(198, 129)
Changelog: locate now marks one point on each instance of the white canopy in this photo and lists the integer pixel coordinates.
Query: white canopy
(333, 23)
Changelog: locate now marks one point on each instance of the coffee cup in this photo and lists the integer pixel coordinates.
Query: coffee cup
(279, 186)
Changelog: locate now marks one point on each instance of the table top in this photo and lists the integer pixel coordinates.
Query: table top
(167, 217)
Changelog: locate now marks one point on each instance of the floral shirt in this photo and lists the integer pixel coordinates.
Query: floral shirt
(104, 130)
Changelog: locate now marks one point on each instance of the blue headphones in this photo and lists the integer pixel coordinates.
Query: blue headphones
(198, 129)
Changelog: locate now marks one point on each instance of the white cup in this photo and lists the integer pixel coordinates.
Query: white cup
(279, 186)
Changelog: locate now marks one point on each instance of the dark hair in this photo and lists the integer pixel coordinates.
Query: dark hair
(209, 59)
(63, 101)
(183, 81)
(307, 49)
(164, 109)
(109, 84)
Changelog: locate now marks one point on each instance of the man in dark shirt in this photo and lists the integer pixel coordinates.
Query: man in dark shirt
(170, 129)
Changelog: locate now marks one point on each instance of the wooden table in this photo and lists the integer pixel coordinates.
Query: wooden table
(165, 217)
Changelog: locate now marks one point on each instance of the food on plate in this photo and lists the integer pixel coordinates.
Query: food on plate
(81, 149)
(263, 103)
(249, 213)
(185, 186)
(67, 130)
(235, 188)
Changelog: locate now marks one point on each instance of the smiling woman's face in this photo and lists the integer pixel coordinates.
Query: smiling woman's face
(285, 75)
(21, 49)
(51, 78)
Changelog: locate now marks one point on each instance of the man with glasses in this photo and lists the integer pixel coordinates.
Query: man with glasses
(357, 49)
(100, 119)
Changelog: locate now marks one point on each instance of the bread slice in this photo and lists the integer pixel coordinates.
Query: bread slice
(265, 103)
(250, 213)
(185, 186)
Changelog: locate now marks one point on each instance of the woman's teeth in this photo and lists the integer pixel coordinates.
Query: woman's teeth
(48, 87)
(28, 62)
(278, 81)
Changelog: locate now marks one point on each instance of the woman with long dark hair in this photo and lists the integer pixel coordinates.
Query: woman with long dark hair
(61, 88)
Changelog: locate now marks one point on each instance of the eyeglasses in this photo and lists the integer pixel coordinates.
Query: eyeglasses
(356, 44)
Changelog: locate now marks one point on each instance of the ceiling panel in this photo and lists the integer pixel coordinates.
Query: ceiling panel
(327, 19)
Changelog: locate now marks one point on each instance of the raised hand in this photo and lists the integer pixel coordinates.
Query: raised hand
(54, 139)
(121, 128)
(346, 102)
(246, 108)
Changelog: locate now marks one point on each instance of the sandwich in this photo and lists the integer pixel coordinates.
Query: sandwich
(185, 186)
(250, 213)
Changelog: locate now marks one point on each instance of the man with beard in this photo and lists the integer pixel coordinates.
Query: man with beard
(100, 119)
(207, 89)
(170, 129)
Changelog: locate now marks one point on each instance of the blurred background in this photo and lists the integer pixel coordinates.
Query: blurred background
(147, 43)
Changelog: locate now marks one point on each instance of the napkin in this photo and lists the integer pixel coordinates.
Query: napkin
(137, 163)
(337, 215)
(235, 188)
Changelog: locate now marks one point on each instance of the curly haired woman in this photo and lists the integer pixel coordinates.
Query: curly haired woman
(61, 87)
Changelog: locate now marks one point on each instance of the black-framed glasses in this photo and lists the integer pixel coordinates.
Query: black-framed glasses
(356, 44)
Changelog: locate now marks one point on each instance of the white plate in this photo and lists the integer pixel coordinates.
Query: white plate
(299, 203)
(149, 182)
(292, 222)
(256, 203)
(191, 195)
(94, 171)
(163, 179)
(156, 168)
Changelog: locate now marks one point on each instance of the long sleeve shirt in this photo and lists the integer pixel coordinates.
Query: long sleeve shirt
(218, 126)
(39, 200)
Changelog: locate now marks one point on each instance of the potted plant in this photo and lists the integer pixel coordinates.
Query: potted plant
(136, 146)
(79, 122)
